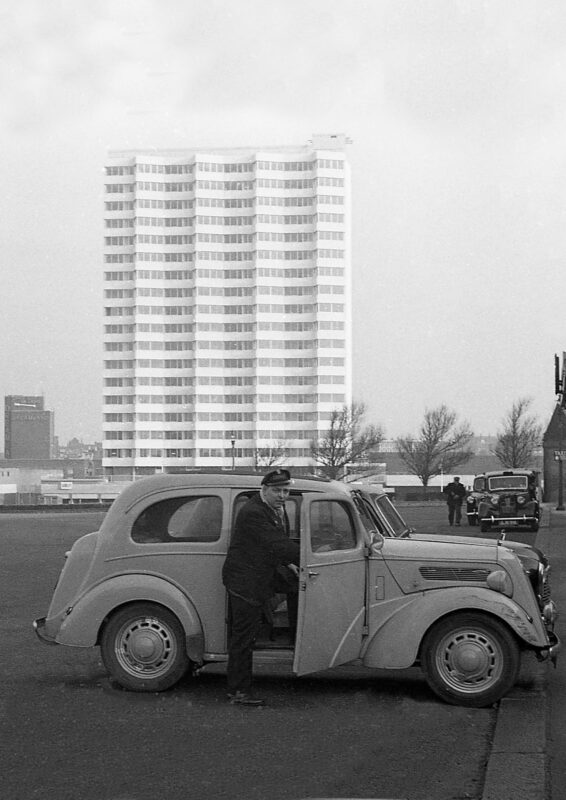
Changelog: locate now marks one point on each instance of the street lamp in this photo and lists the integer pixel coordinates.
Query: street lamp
(233, 443)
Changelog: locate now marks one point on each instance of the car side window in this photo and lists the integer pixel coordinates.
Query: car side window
(331, 526)
(180, 519)
(291, 507)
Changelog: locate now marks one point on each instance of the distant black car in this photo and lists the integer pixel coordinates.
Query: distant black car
(505, 499)
(478, 489)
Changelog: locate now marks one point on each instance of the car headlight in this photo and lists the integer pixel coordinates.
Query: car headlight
(500, 581)
(470, 499)
(494, 499)
(521, 500)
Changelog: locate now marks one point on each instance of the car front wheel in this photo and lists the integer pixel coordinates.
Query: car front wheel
(470, 660)
(143, 648)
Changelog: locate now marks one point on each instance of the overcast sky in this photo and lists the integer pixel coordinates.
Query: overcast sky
(457, 114)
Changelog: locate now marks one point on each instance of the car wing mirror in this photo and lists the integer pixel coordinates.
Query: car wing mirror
(377, 542)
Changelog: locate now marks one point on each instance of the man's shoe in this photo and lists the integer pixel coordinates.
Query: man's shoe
(457, 524)
(243, 699)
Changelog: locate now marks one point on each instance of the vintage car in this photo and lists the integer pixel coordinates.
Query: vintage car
(509, 498)
(478, 489)
(147, 589)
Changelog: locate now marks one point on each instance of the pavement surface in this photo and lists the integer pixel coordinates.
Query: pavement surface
(527, 754)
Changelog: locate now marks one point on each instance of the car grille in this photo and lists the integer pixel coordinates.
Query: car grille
(507, 505)
(540, 580)
(545, 590)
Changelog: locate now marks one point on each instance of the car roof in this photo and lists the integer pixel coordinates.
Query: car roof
(155, 484)
(502, 472)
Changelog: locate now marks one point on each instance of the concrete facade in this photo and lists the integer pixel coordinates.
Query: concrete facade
(227, 304)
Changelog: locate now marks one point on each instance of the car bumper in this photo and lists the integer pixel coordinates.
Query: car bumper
(39, 628)
(551, 652)
(509, 522)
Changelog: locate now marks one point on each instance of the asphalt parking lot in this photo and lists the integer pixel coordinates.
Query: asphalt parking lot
(68, 733)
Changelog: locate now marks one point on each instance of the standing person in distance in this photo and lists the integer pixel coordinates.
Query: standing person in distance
(455, 493)
(260, 544)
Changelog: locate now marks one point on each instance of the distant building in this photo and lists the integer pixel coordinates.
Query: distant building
(483, 445)
(21, 480)
(554, 445)
(227, 304)
(28, 428)
(554, 438)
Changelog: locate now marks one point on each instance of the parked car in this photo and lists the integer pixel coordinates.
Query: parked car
(147, 589)
(478, 489)
(508, 498)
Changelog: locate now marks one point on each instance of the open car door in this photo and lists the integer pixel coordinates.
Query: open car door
(332, 584)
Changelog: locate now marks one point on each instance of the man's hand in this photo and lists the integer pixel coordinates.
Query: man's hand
(294, 569)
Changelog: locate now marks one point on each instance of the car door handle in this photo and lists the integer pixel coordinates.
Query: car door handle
(313, 574)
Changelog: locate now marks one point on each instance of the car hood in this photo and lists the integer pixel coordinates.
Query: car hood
(523, 551)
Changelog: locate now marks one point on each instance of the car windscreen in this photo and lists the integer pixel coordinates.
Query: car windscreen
(508, 482)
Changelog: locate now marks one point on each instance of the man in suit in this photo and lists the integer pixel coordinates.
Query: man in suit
(260, 545)
(455, 493)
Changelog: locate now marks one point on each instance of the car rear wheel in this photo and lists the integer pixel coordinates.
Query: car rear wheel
(470, 660)
(143, 648)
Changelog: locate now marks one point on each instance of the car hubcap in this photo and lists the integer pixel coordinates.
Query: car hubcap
(469, 660)
(145, 646)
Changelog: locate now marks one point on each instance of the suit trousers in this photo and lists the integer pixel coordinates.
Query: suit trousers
(454, 511)
(244, 622)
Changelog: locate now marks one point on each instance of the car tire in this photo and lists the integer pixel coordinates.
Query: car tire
(472, 521)
(143, 648)
(535, 525)
(484, 527)
(470, 659)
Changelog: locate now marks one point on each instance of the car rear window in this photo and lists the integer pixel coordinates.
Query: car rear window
(180, 519)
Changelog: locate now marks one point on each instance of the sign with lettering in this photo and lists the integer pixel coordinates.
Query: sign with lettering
(560, 455)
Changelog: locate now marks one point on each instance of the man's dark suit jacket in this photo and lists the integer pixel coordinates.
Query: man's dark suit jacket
(260, 543)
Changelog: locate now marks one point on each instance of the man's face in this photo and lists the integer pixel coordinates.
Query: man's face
(275, 496)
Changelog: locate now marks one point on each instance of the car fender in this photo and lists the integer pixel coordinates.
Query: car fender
(82, 623)
(402, 623)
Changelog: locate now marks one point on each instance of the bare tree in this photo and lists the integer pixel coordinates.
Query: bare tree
(520, 436)
(440, 445)
(346, 441)
(272, 455)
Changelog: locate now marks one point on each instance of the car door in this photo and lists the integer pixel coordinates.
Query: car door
(332, 584)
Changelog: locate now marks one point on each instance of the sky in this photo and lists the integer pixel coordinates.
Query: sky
(457, 114)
